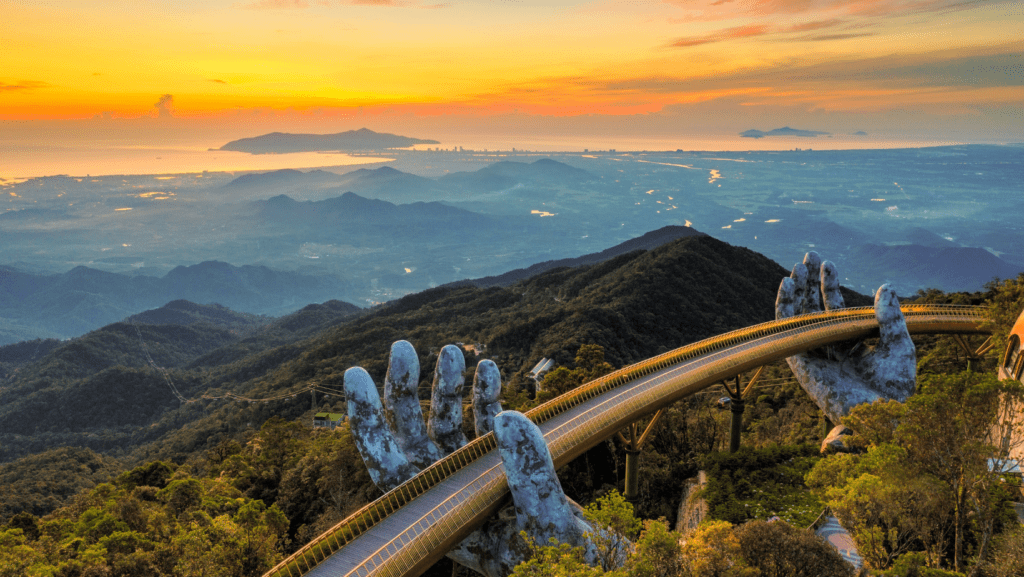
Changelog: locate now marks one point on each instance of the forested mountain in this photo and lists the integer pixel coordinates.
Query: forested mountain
(649, 241)
(102, 392)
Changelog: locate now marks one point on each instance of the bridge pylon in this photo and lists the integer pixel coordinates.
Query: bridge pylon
(634, 441)
(736, 406)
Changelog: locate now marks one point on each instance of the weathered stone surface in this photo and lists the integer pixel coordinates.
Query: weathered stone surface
(541, 507)
(445, 426)
(830, 287)
(486, 390)
(402, 406)
(843, 376)
(381, 453)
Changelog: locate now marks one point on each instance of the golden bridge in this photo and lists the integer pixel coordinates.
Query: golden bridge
(411, 527)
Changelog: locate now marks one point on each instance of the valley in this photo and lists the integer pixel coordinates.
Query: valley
(944, 218)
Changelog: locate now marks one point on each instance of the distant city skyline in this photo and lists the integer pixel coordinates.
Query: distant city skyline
(165, 70)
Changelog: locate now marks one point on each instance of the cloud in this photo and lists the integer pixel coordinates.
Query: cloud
(273, 4)
(217, 80)
(999, 67)
(165, 106)
(302, 4)
(816, 25)
(709, 10)
(826, 37)
(726, 34)
(23, 86)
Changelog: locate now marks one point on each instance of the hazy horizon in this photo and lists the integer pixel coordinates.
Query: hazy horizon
(53, 157)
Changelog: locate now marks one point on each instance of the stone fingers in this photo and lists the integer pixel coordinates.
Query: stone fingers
(893, 367)
(786, 299)
(542, 509)
(445, 425)
(892, 326)
(830, 287)
(402, 406)
(486, 390)
(799, 278)
(379, 449)
(812, 296)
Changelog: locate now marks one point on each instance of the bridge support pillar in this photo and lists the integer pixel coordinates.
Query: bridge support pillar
(634, 441)
(737, 424)
(632, 474)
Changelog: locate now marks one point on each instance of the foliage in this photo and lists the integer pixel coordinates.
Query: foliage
(762, 483)
(914, 564)
(778, 549)
(658, 552)
(192, 526)
(1008, 554)
(714, 551)
(926, 482)
(590, 364)
(556, 560)
(40, 483)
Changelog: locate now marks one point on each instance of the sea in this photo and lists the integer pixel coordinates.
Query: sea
(21, 160)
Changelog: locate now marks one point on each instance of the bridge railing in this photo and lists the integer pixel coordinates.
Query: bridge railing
(313, 553)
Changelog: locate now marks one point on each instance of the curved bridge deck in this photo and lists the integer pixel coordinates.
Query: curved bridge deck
(414, 525)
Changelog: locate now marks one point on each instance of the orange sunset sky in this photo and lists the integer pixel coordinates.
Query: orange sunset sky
(221, 69)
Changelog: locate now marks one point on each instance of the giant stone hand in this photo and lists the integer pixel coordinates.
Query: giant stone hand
(395, 445)
(843, 376)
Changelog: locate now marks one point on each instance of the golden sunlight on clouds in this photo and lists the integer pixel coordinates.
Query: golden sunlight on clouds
(221, 58)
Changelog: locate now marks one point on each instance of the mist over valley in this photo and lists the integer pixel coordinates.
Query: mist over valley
(82, 251)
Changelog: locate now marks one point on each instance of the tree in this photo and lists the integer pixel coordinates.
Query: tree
(615, 514)
(1008, 554)
(590, 364)
(778, 549)
(958, 430)
(658, 552)
(714, 551)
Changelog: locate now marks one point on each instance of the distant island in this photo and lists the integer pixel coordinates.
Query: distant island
(784, 131)
(362, 139)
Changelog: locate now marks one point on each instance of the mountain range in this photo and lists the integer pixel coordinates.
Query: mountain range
(82, 299)
(118, 389)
